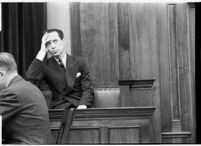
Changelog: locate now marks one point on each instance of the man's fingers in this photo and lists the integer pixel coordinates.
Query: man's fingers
(45, 36)
(44, 40)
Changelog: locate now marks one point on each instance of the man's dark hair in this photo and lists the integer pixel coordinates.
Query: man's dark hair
(60, 32)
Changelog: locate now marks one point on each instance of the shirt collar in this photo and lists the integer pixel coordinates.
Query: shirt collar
(63, 60)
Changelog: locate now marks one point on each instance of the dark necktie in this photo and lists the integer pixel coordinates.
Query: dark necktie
(62, 65)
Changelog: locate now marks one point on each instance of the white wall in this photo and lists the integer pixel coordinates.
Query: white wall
(58, 16)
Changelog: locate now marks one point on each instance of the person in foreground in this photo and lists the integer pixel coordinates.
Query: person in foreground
(67, 76)
(23, 107)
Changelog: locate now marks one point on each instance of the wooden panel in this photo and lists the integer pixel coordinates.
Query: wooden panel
(140, 97)
(98, 24)
(79, 135)
(124, 95)
(138, 41)
(103, 125)
(146, 135)
(113, 43)
(173, 62)
(136, 93)
(93, 36)
(143, 41)
(104, 135)
(124, 47)
(183, 65)
(75, 28)
(164, 66)
(142, 93)
(191, 20)
(157, 114)
(84, 136)
(144, 49)
(125, 135)
(181, 74)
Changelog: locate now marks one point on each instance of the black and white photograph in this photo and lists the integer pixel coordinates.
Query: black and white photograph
(100, 72)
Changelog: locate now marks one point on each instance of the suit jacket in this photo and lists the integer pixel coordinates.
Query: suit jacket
(24, 113)
(65, 86)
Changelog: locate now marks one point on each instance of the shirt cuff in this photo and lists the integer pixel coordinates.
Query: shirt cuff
(82, 107)
(41, 55)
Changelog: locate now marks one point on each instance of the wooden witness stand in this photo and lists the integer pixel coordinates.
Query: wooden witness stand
(122, 125)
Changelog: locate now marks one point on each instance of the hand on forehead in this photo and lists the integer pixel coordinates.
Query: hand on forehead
(50, 36)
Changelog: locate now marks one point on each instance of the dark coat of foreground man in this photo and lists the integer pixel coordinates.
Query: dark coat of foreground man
(24, 111)
(24, 114)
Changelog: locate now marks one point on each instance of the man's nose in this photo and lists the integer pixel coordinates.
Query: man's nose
(53, 45)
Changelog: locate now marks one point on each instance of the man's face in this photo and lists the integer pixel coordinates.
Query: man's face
(54, 44)
(2, 79)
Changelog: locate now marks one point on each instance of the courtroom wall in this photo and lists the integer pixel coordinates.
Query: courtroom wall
(130, 41)
(138, 41)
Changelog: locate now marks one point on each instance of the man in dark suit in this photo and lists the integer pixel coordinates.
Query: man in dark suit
(68, 77)
(23, 107)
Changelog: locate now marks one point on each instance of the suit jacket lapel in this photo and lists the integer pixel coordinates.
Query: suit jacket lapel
(71, 70)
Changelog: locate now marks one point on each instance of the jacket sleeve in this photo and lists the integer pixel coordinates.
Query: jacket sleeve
(36, 75)
(86, 85)
(9, 105)
(35, 72)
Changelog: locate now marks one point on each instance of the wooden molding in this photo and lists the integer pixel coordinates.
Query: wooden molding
(176, 134)
(138, 83)
(137, 112)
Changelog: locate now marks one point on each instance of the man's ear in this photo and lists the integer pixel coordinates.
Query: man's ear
(63, 41)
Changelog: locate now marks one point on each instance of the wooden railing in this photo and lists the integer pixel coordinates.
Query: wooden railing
(108, 125)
